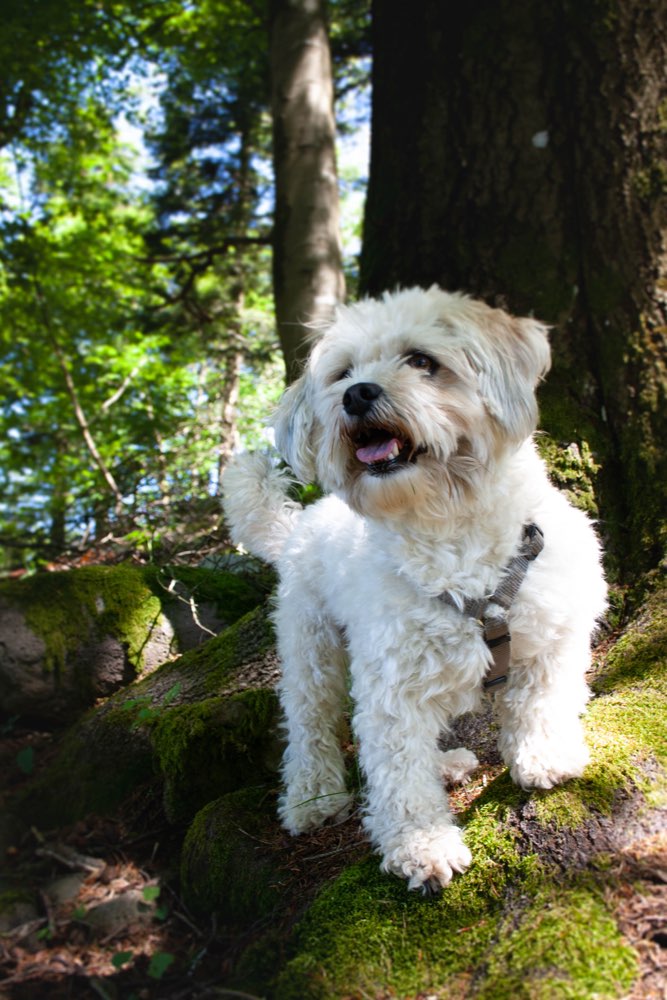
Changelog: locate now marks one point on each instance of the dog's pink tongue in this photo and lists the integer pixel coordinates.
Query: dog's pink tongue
(379, 452)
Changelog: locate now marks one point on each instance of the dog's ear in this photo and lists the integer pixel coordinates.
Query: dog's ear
(293, 424)
(514, 357)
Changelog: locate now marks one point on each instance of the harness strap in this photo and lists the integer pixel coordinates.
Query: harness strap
(491, 611)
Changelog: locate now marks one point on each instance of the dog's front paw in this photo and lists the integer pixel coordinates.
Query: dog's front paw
(429, 858)
(532, 769)
(300, 810)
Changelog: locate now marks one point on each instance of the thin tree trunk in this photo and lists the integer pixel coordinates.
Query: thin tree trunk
(84, 427)
(229, 435)
(79, 414)
(307, 269)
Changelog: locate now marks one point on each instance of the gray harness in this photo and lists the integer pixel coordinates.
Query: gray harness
(491, 612)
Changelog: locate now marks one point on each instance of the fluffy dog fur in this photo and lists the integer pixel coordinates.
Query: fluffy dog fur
(415, 413)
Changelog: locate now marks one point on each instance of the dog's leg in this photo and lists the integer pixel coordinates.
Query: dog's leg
(312, 693)
(407, 812)
(541, 739)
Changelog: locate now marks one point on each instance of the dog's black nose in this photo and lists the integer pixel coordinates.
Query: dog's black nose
(359, 398)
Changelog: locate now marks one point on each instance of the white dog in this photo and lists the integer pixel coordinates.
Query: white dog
(415, 414)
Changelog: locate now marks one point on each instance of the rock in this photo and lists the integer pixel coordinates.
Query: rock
(67, 887)
(16, 908)
(69, 638)
(122, 911)
(170, 734)
(225, 867)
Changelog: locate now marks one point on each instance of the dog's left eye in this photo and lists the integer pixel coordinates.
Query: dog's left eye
(424, 362)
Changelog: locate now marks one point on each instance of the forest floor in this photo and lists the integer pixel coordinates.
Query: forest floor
(97, 911)
(94, 910)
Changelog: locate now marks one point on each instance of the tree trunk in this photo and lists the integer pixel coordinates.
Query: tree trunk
(229, 397)
(535, 178)
(308, 275)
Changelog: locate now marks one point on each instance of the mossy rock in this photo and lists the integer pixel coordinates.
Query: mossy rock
(111, 751)
(215, 746)
(17, 906)
(507, 928)
(71, 637)
(225, 868)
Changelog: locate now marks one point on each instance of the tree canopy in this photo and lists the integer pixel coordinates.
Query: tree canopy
(136, 205)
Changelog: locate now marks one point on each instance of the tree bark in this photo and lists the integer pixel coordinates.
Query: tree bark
(518, 153)
(308, 275)
(229, 397)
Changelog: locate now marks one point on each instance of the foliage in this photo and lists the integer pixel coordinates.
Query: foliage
(135, 293)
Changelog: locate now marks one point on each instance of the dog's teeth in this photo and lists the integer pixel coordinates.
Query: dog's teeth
(394, 452)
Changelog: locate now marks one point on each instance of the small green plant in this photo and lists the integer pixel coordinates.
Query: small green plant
(25, 760)
(159, 964)
(7, 727)
(121, 958)
(148, 712)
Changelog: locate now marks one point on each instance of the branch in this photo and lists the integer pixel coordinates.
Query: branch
(210, 252)
(108, 403)
(79, 414)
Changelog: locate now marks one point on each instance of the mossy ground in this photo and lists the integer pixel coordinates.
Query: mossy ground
(517, 924)
(626, 724)
(508, 928)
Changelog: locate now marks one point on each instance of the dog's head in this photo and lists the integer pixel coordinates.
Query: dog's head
(407, 399)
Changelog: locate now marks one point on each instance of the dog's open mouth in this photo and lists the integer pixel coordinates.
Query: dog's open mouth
(383, 451)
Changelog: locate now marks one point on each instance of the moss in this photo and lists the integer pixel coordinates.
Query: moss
(565, 944)
(625, 725)
(139, 732)
(10, 898)
(248, 639)
(216, 746)
(505, 929)
(200, 672)
(650, 183)
(367, 933)
(122, 601)
(63, 608)
(17, 906)
(640, 654)
(573, 470)
(224, 869)
(233, 594)
(97, 767)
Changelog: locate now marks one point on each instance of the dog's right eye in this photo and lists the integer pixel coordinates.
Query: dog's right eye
(423, 362)
(344, 374)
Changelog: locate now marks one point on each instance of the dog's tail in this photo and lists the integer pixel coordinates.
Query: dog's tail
(258, 510)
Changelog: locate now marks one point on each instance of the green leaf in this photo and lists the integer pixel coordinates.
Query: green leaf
(151, 892)
(26, 760)
(121, 958)
(172, 693)
(159, 964)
